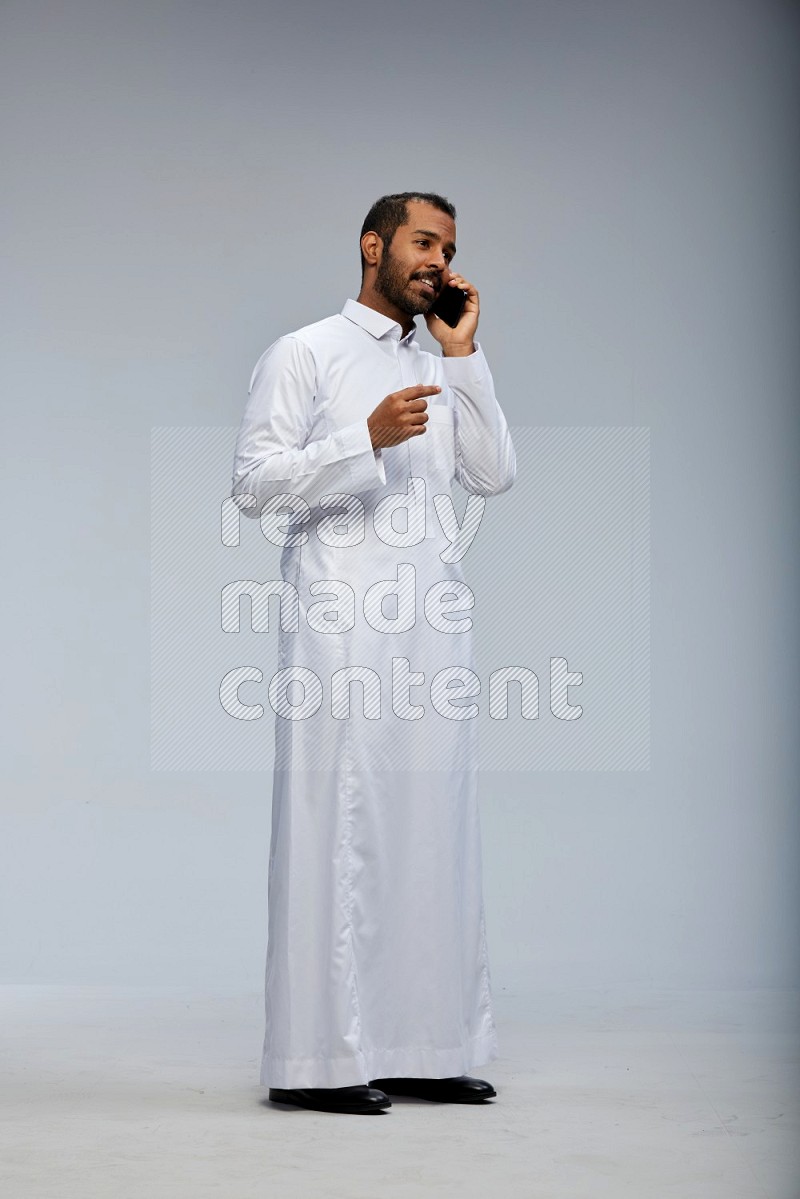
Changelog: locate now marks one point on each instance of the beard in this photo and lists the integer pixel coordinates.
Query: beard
(393, 283)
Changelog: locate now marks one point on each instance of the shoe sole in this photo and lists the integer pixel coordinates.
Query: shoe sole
(363, 1109)
(437, 1099)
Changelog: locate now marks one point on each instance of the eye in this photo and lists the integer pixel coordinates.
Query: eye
(422, 241)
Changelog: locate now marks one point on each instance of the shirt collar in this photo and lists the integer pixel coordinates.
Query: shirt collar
(375, 322)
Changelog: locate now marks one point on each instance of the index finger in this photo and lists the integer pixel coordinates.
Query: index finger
(419, 389)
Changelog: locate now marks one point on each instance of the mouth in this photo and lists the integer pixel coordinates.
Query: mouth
(429, 285)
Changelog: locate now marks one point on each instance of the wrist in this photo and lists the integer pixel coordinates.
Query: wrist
(458, 350)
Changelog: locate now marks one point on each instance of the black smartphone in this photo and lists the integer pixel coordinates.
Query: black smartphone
(449, 305)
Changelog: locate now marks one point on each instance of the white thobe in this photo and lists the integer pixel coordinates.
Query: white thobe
(376, 956)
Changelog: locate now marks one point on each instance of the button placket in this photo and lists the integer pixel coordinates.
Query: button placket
(418, 449)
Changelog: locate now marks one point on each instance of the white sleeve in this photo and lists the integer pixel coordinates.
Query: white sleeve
(485, 459)
(273, 454)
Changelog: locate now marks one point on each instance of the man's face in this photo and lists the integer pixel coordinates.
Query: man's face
(414, 267)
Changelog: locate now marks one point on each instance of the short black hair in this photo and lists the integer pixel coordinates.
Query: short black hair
(388, 213)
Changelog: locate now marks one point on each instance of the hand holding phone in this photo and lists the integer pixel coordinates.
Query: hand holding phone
(453, 317)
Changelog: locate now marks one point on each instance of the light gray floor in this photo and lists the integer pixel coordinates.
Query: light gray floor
(659, 1095)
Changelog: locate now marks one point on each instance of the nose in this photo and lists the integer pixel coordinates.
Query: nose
(437, 260)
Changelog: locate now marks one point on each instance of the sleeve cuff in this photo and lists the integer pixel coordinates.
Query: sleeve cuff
(469, 368)
(365, 463)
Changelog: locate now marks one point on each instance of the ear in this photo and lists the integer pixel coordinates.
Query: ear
(372, 248)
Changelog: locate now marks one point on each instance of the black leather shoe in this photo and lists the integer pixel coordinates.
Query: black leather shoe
(440, 1090)
(357, 1100)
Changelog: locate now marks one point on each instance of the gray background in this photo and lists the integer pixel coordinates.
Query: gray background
(183, 183)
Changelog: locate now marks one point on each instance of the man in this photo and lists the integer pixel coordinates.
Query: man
(377, 978)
